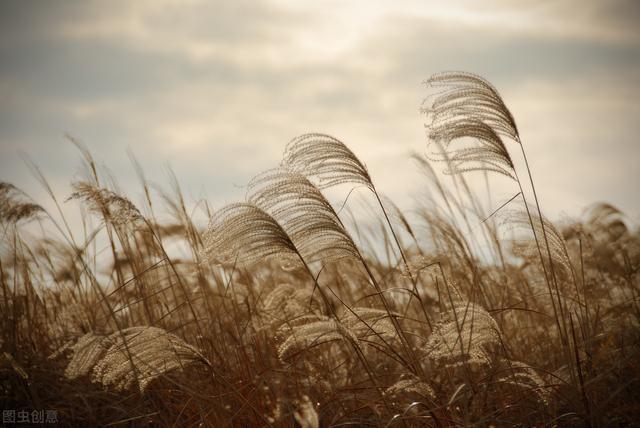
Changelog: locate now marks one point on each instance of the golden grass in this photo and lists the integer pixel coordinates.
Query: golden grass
(275, 315)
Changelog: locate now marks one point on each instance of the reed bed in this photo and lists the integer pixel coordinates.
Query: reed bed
(284, 311)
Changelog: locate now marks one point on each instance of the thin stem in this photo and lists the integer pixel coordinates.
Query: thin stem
(355, 346)
(404, 260)
(544, 268)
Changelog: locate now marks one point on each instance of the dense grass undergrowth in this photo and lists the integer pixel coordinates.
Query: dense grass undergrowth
(284, 313)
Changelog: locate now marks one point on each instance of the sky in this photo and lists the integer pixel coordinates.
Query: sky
(216, 89)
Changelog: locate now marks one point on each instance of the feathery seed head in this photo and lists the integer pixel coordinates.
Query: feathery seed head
(305, 414)
(302, 337)
(304, 213)
(139, 354)
(292, 305)
(113, 207)
(413, 385)
(469, 96)
(244, 234)
(469, 107)
(487, 152)
(463, 335)
(521, 375)
(528, 249)
(12, 208)
(327, 159)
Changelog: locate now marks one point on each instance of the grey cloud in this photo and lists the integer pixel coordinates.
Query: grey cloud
(218, 89)
(415, 46)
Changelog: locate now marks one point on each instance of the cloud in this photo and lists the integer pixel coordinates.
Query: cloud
(218, 88)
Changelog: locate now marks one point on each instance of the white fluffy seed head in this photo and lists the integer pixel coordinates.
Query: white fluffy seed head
(133, 356)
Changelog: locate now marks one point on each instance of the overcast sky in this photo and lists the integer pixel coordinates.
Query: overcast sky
(216, 89)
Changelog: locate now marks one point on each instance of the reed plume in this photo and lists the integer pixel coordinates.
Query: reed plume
(411, 385)
(603, 213)
(521, 375)
(464, 99)
(244, 234)
(369, 323)
(331, 162)
(326, 159)
(603, 218)
(468, 99)
(559, 255)
(288, 300)
(464, 335)
(488, 152)
(113, 207)
(353, 325)
(292, 305)
(12, 208)
(305, 413)
(133, 356)
(304, 213)
(308, 335)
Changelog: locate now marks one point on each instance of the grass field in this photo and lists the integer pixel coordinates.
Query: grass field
(288, 311)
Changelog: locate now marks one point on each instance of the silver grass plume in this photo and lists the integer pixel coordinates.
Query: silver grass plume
(605, 219)
(488, 152)
(521, 375)
(87, 351)
(465, 96)
(528, 249)
(305, 414)
(326, 158)
(411, 385)
(244, 234)
(152, 351)
(369, 323)
(115, 208)
(289, 304)
(468, 97)
(309, 220)
(302, 337)
(463, 335)
(331, 162)
(12, 208)
(603, 213)
(304, 213)
(352, 325)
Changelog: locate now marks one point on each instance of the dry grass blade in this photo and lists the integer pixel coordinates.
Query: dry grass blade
(152, 351)
(242, 233)
(304, 213)
(327, 159)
